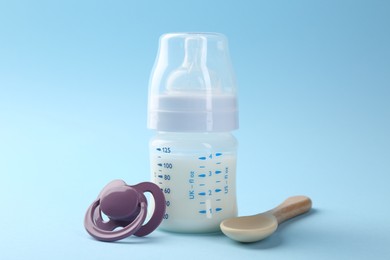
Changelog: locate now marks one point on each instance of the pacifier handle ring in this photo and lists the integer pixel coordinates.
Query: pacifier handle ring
(109, 236)
(159, 210)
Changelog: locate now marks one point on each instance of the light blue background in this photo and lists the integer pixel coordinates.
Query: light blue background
(314, 85)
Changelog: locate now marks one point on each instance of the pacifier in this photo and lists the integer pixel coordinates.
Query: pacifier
(126, 208)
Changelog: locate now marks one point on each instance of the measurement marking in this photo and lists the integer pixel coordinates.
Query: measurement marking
(218, 209)
(218, 181)
(218, 163)
(202, 184)
(159, 157)
(218, 200)
(159, 164)
(218, 154)
(202, 211)
(160, 182)
(202, 193)
(158, 149)
(217, 172)
(202, 202)
(202, 158)
(202, 166)
(202, 175)
(218, 190)
(160, 176)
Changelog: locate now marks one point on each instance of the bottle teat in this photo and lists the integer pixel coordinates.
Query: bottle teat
(193, 74)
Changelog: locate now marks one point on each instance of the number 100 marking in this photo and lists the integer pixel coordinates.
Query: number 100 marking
(168, 165)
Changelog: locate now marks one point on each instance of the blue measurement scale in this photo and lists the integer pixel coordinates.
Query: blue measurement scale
(208, 186)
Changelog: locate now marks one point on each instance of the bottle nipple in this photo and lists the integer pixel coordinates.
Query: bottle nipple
(192, 75)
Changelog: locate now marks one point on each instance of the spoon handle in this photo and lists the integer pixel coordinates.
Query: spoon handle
(291, 207)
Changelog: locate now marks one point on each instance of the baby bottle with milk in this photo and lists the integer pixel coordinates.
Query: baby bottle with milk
(193, 108)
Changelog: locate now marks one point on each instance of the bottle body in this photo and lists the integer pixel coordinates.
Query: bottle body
(197, 173)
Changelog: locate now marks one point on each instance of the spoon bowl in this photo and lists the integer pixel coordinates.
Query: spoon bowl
(250, 228)
(257, 227)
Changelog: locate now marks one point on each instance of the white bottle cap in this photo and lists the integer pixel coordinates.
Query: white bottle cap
(192, 86)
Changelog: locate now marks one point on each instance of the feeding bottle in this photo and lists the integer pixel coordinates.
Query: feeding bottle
(193, 108)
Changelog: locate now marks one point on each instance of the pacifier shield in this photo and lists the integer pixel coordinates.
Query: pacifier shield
(126, 207)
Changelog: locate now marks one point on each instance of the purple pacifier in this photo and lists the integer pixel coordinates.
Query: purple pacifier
(126, 207)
